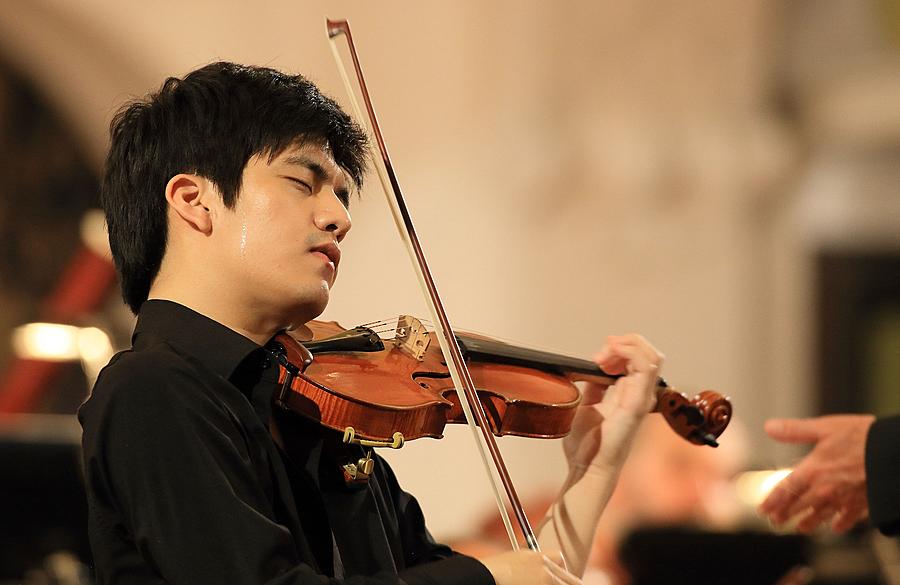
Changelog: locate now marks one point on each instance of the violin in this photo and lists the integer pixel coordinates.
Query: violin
(383, 392)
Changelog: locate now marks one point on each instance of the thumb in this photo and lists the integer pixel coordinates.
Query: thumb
(593, 393)
(793, 430)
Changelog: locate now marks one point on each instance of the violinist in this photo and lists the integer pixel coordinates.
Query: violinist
(227, 196)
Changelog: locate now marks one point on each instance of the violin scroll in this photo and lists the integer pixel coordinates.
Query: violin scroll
(699, 420)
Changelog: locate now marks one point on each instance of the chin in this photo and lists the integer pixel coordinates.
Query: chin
(311, 303)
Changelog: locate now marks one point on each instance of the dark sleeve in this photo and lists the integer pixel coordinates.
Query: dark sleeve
(883, 474)
(174, 467)
(428, 562)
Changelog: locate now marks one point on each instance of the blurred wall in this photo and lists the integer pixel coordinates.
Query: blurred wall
(575, 169)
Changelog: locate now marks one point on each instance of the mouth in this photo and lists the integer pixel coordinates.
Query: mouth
(331, 252)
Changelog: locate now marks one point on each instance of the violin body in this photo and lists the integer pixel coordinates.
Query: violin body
(381, 387)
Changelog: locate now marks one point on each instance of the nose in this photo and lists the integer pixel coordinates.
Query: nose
(332, 216)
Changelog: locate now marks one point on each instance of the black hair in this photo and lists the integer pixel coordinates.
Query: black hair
(210, 123)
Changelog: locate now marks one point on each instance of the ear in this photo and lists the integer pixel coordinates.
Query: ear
(186, 196)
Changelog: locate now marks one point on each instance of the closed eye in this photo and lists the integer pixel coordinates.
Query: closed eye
(343, 195)
(300, 183)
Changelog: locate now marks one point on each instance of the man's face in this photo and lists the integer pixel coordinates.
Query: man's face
(280, 242)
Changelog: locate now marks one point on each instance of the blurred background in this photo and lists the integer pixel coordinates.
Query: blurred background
(719, 176)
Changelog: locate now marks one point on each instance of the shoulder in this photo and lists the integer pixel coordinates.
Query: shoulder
(154, 384)
(136, 375)
(155, 404)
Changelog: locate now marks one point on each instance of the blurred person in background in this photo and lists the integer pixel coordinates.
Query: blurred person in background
(852, 473)
(227, 194)
(668, 482)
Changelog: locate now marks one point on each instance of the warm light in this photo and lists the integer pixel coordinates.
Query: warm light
(94, 233)
(752, 487)
(46, 341)
(58, 343)
(96, 351)
(93, 344)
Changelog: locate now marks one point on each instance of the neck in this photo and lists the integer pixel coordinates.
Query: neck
(259, 331)
(216, 301)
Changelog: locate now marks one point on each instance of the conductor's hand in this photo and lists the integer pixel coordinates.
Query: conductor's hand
(526, 567)
(829, 484)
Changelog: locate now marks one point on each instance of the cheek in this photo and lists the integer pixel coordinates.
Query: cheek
(256, 230)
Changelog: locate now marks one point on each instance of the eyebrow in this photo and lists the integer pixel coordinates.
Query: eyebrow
(315, 167)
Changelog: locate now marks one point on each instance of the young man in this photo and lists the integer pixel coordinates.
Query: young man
(226, 195)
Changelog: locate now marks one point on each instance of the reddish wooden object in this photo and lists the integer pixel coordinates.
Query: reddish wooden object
(379, 393)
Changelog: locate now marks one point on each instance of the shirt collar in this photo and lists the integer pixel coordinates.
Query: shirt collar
(218, 347)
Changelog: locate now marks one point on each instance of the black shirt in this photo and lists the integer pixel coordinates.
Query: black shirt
(185, 484)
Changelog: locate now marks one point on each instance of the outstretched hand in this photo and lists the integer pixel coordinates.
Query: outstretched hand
(830, 482)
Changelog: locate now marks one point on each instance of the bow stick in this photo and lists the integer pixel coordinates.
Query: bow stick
(462, 380)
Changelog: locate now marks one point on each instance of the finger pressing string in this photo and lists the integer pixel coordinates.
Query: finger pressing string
(636, 360)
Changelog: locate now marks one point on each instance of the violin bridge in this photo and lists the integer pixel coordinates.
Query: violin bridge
(411, 336)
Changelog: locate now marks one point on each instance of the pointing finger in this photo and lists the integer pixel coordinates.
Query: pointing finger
(793, 430)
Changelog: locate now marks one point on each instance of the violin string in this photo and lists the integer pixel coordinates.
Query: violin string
(385, 327)
(389, 325)
(382, 329)
(375, 323)
(510, 341)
